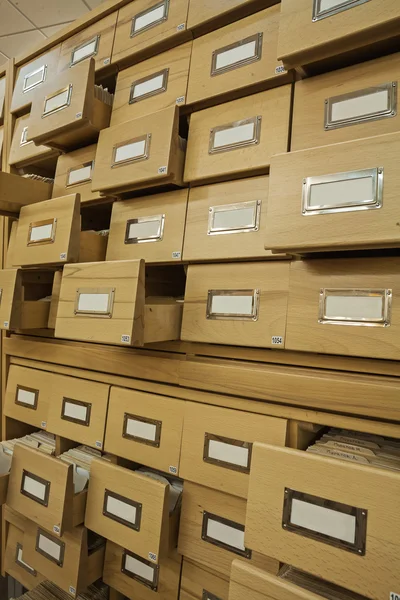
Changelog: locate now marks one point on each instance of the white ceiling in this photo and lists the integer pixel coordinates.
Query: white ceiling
(25, 23)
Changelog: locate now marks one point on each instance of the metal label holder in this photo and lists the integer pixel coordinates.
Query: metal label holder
(164, 3)
(153, 585)
(47, 240)
(26, 87)
(221, 463)
(57, 542)
(143, 156)
(157, 424)
(30, 390)
(137, 505)
(95, 40)
(95, 313)
(246, 553)
(257, 39)
(68, 89)
(384, 320)
(319, 14)
(87, 405)
(248, 228)
(26, 474)
(22, 564)
(163, 88)
(254, 140)
(149, 238)
(81, 181)
(253, 316)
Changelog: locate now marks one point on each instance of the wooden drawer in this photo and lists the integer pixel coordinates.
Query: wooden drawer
(237, 59)
(16, 191)
(68, 112)
(151, 227)
(140, 579)
(132, 509)
(211, 530)
(24, 153)
(148, 27)
(2, 97)
(217, 445)
(218, 215)
(240, 304)
(345, 307)
(32, 77)
(238, 138)
(328, 517)
(335, 197)
(352, 103)
(1, 143)
(28, 395)
(145, 428)
(146, 152)
(41, 488)
(206, 15)
(94, 41)
(200, 583)
(152, 85)
(85, 302)
(74, 174)
(65, 561)
(14, 563)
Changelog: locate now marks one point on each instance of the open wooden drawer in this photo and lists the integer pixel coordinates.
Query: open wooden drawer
(16, 192)
(71, 110)
(200, 583)
(41, 487)
(14, 563)
(24, 153)
(105, 302)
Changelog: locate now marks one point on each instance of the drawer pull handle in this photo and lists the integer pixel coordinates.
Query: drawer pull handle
(145, 229)
(324, 520)
(142, 430)
(237, 55)
(150, 18)
(140, 569)
(209, 596)
(76, 411)
(239, 305)
(57, 101)
(131, 151)
(242, 217)
(21, 563)
(81, 174)
(343, 192)
(123, 510)
(235, 135)
(149, 86)
(50, 547)
(34, 487)
(31, 80)
(24, 138)
(85, 50)
(327, 8)
(371, 308)
(42, 232)
(362, 106)
(227, 453)
(224, 533)
(26, 397)
(94, 302)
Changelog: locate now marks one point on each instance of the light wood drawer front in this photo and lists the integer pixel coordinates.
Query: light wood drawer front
(17, 191)
(211, 530)
(28, 395)
(65, 561)
(151, 227)
(328, 517)
(74, 174)
(208, 15)
(95, 41)
(238, 137)
(31, 78)
(336, 197)
(48, 232)
(23, 153)
(139, 579)
(145, 152)
(129, 508)
(146, 27)
(227, 220)
(236, 57)
(14, 563)
(240, 304)
(352, 103)
(306, 36)
(145, 428)
(217, 445)
(200, 583)
(345, 307)
(2, 96)
(41, 488)
(152, 85)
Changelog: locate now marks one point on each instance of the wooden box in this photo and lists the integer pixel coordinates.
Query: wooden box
(206, 15)
(200, 583)
(16, 191)
(14, 564)
(26, 398)
(24, 153)
(74, 175)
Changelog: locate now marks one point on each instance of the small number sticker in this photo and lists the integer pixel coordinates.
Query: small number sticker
(56, 529)
(78, 115)
(43, 424)
(394, 596)
(176, 254)
(106, 61)
(126, 339)
(99, 445)
(280, 69)
(173, 470)
(63, 256)
(277, 340)
(180, 100)
(72, 590)
(152, 556)
(162, 170)
(6, 324)
(181, 27)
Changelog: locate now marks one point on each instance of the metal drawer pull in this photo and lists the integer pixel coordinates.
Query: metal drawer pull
(85, 50)
(343, 192)
(21, 563)
(142, 430)
(235, 135)
(57, 101)
(34, 487)
(243, 217)
(31, 80)
(228, 453)
(150, 18)
(140, 570)
(131, 151)
(368, 308)
(50, 547)
(149, 86)
(327, 8)
(81, 174)
(26, 397)
(237, 55)
(241, 305)
(324, 520)
(145, 229)
(94, 302)
(24, 137)
(123, 510)
(224, 533)
(42, 232)
(76, 411)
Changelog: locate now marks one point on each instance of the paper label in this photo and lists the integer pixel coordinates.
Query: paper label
(279, 70)
(106, 61)
(394, 596)
(277, 340)
(152, 556)
(6, 324)
(176, 254)
(173, 470)
(99, 444)
(72, 590)
(162, 170)
(180, 100)
(56, 529)
(181, 27)
(125, 339)
(63, 256)
(43, 424)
